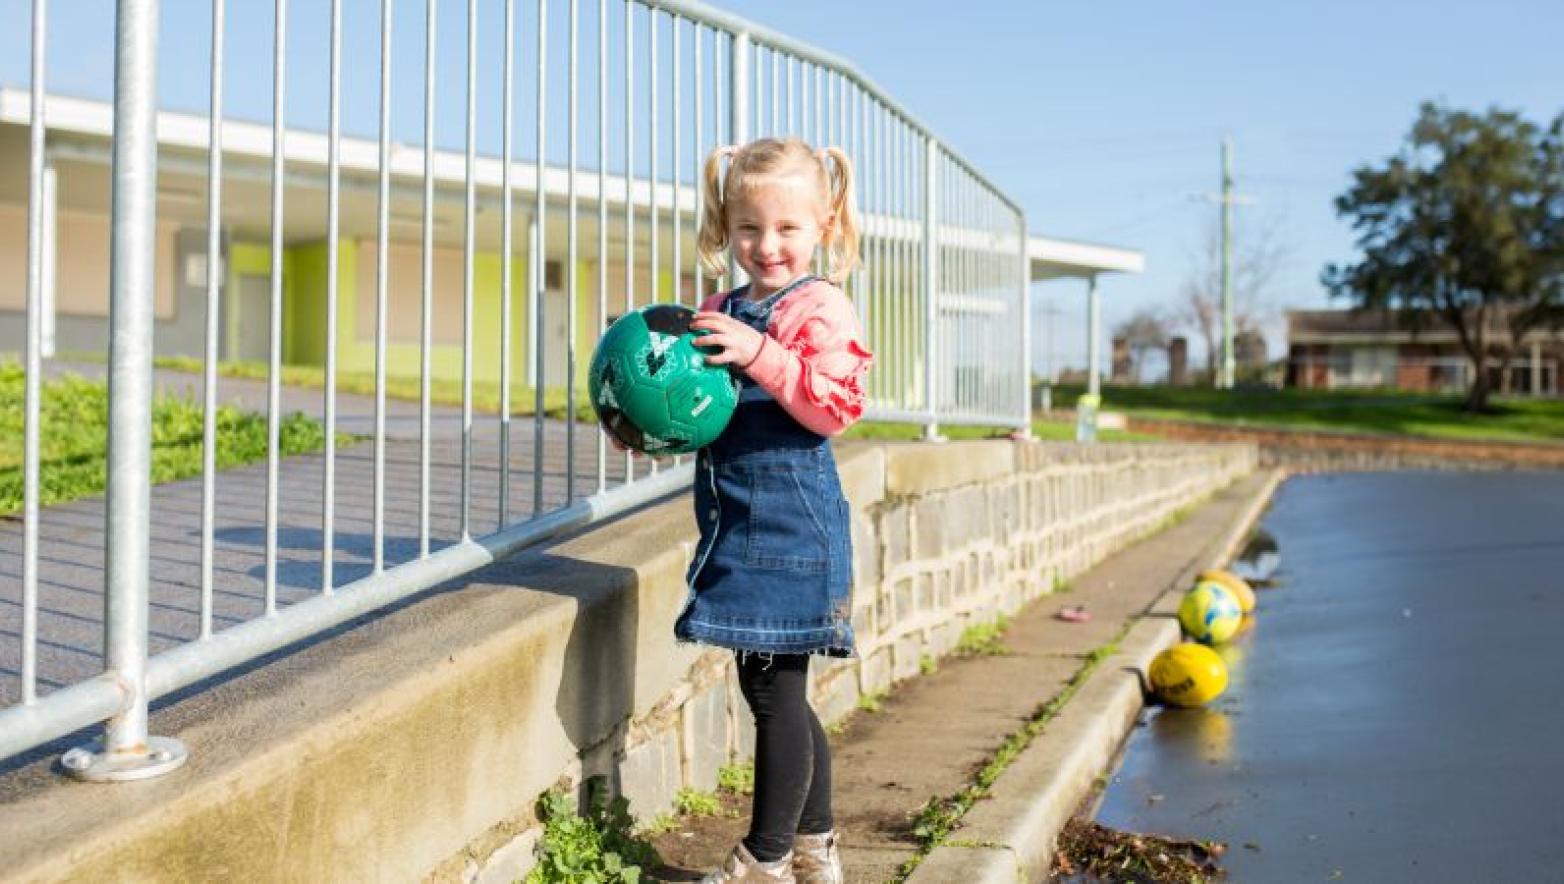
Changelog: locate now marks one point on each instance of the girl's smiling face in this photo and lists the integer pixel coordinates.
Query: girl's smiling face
(774, 228)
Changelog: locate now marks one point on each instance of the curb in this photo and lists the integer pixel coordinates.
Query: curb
(1010, 836)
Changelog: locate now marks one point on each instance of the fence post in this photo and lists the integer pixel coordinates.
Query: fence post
(126, 752)
(930, 283)
(1026, 331)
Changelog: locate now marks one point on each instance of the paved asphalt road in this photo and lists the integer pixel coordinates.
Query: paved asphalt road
(1394, 715)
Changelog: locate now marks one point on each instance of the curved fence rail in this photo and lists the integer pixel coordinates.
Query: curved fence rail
(434, 266)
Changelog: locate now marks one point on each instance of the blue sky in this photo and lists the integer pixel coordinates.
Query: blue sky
(1103, 119)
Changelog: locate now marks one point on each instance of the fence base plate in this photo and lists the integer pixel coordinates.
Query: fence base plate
(90, 763)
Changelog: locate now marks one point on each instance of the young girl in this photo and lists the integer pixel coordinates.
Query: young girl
(771, 577)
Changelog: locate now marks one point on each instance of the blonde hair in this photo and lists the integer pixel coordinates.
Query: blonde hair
(751, 166)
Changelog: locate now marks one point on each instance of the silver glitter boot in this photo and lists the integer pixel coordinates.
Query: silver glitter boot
(816, 859)
(741, 866)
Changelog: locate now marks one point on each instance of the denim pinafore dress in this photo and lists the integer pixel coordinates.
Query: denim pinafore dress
(772, 572)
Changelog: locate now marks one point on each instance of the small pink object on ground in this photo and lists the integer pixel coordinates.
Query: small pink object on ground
(1073, 614)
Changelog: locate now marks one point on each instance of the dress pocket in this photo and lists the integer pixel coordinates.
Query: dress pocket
(785, 529)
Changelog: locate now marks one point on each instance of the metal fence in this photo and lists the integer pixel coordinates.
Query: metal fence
(941, 293)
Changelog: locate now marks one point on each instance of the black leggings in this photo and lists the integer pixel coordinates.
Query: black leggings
(792, 757)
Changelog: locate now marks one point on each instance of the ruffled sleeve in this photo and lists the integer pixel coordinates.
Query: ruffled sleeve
(815, 367)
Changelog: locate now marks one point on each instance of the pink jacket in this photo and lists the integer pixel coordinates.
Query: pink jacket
(812, 360)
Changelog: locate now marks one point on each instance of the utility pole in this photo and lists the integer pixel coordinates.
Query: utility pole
(1227, 198)
(1228, 362)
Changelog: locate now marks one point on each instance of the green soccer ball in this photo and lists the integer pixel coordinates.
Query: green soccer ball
(651, 387)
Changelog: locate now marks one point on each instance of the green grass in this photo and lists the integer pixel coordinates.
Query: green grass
(442, 391)
(1048, 431)
(486, 398)
(599, 846)
(873, 702)
(693, 802)
(738, 778)
(983, 639)
(940, 815)
(1389, 412)
(73, 438)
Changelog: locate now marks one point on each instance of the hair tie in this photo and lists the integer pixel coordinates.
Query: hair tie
(728, 150)
(822, 155)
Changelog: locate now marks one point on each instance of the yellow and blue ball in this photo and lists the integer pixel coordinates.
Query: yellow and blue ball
(1210, 614)
(1239, 587)
(1188, 675)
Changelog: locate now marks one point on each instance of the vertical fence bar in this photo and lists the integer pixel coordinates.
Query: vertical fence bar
(698, 144)
(930, 275)
(718, 119)
(507, 249)
(32, 396)
(328, 519)
(214, 213)
(539, 264)
(738, 115)
(882, 254)
(653, 217)
(958, 257)
(792, 114)
(602, 212)
(819, 131)
(274, 318)
(1024, 292)
(629, 460)
(776, 69)
(469, 213)
(426, 296)
(127, 752)
(572, 231)
(382, 274)
(677, 163)
(910, 313)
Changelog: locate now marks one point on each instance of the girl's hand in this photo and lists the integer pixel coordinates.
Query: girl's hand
(736, 343)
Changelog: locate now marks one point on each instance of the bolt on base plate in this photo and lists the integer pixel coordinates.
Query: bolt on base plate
(159, 756)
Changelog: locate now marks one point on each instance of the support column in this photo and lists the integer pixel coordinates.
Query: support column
(1086, 407)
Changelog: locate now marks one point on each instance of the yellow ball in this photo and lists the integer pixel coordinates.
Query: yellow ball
(1210, 614)
(1188, 675)
(1239, 587)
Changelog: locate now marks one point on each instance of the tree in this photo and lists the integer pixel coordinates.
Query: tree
(1146, 330)
(1257, 256)
(1464, 226)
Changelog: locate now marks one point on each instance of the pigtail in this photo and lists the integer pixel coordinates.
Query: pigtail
(842, 241)
(712, 240)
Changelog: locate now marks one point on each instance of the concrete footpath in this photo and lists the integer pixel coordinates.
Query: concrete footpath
(934, 733)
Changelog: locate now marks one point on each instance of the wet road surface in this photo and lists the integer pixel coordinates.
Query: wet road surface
(1394, 714)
